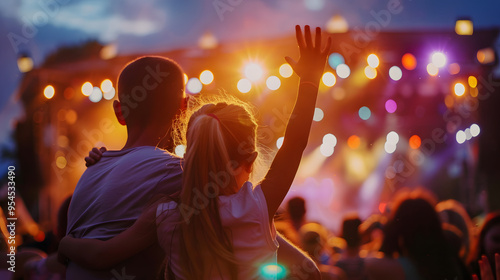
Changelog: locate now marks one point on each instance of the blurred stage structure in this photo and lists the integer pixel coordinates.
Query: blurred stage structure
(423, 110)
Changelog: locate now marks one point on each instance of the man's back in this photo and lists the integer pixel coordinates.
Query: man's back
(111, 195)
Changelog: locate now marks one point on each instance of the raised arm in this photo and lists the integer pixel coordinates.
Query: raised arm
(100, 255)
(286, 162)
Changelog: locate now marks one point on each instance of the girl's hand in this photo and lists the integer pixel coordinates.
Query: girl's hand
(94, 156)
(485, 268)
(312, 59)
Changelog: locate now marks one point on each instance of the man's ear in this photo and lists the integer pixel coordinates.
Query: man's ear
(117, 106)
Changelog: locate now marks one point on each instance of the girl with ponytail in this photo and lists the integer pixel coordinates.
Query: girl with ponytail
(221, 226)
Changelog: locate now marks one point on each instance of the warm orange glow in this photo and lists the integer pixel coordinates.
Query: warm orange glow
(454, 68)
(415, 142)
(449, 101)
(353, 142)
(39, 236)
(49, 92)
(409, 61)
(464, 27)
(472, 81)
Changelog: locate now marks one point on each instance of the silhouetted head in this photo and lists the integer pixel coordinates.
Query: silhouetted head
(350, 231)
(296, 208)
(150, 93)
(489, 237)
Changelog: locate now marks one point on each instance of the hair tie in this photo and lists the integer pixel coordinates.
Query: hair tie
(213, 116)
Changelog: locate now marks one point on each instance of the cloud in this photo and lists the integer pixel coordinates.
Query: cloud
(104, 20)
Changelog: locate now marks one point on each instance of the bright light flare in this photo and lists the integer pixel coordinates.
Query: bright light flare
(273, 83)
(459, 89)
(253, 71)
(244, 85)
(438, 59)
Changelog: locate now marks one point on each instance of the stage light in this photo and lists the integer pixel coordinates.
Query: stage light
(206, 77)
(464, 27)
(395, 73)
(486, 56)
(373, 60)
(279, 142)
(432, 70)
(409, 61)
(96, 95)
(337, 24)
(328, 79)
(454, 68)
(244, 85)
(318, 115)
(335, 59)
(474, 130)
(106, 85)
(49, 92)
(286, 70)
(273, 83)
(459, 89)
(391, 106)
(370, 72)
(460, 137)
(353, 142)
(87, 88)
(253, 71)
(472, 81)
(438, 59)
(194, 85)
(415, 142)
(343, 71)
(364, 113)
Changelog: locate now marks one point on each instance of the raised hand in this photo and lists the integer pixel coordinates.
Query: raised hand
(485, 268)
(94, 156)
(312, 58)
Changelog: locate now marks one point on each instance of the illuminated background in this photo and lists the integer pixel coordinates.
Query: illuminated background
(401, 77)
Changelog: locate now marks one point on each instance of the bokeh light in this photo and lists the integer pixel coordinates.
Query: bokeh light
(244, 85)
(486, 56)
(459, 89)
(326, 150)
(472, 81)
(337, 24)
(206, 77)
(180, 150)
(373, 60)
(61, 162)
(318, 114)
(390, 147)
(87, 88)
(353, 142)
(194, 86)
(464, 27)
(395, 73)
(415, 142)
(392, 137)
(253, 71)
(49, 92)
(96, 95)
(272, 271)
(460, 136)
(279, 142)
(432, 69)
(108, 95)
(454, 68)
(343, 71)
(409, 61)
(328, 79)
(475, 130)
(273, 83)
(438, 59)
(370, 72)
(330, 139)
(286, 70)
(106, 85)
(364, 113)
(335, 59)
(391, 106)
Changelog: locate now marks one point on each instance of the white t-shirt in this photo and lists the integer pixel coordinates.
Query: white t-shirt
(245, 215)
(111, 195)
